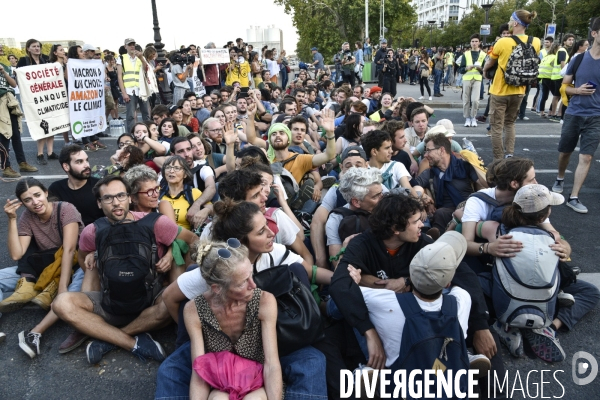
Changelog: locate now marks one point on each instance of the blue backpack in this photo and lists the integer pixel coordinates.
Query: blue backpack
(431, 338)
(495, 214)
(525, 287)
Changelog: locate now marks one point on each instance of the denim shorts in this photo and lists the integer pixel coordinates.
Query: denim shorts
(574, 127)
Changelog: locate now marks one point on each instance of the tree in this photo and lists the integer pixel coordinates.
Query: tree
(326, 24)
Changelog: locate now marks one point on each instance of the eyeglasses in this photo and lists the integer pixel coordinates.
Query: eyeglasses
(125, 143)
(109, 198)
(232, 243)
(175, 168)
(428, 150)
(218, 130)
(151, 192)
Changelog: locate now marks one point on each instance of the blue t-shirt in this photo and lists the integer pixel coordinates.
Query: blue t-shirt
(588, 70)
(318, 57)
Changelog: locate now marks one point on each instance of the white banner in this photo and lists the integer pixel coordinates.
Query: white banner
(86, 97)
(214, 56)
(44, 99)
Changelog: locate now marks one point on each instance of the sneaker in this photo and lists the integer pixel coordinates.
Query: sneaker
(73, 341)
(544, 344)
(561, 122)
(45, 298)
(2, 337)
(24, 167)
(41, 160)
(146, 347)
(100, 145)
(430, 99)
(481, 118)
(558, 186)
(90, 147)
(510, 337)
(437, 95)
(304, 193)
(96, 349)
(576, 205)
(53, 156)
(554, 119)
(524, 119)
(24, 293)
(508, 156)
(473, 123)
(479, 362)
(468, 122)
(29, 342)
(10, 173)
(565, 299)
(421, 98)
(328, 181)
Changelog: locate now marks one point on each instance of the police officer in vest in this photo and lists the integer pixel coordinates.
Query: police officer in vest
(129, 67)
(471, 67)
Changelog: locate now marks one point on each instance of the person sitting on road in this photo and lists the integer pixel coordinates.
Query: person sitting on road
(242, 222)
(384, 253)
(112, 298)
(453, 180)
(51, 230)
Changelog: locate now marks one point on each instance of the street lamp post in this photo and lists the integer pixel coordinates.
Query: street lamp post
(487, 7)
(158, 45)
(431, 24)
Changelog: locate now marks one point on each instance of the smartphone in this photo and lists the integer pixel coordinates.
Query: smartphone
(592, 84)
(244, 89)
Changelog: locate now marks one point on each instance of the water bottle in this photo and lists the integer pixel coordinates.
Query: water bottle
(468, 145)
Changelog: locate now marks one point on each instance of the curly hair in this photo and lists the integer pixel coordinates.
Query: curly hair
(237, 183)
(139, 174)
(392, 214)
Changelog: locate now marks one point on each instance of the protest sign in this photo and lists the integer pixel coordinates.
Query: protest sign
(44, 99)
(214, 56)
(86, 97)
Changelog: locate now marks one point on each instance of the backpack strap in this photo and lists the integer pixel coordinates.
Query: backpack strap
(517, 40)
(187, 193)
(486, 198)
(289, 159)
(60, 232)
(576, 65)
(449, 305)
(408, 304)
(390, 167)
(529, 40)
(271, 211)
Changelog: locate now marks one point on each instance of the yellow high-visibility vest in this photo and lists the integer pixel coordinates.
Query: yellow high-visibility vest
(131, 71)
(473, 73)
(556, 68)
(546, 66)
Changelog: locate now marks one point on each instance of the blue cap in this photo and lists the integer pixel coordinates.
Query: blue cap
(383, 41)
(313, 49)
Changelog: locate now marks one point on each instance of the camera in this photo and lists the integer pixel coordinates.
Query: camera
(181, 57)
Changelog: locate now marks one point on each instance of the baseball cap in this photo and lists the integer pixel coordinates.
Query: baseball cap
(88, 47)
(129, 40)
(433, 267)
(354, 151)
(314, 49)
(534, 198)
(173, 108)
(383, 41)
(446, 123)
(375, 89)
(436, 130)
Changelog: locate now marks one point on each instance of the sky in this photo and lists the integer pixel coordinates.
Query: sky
(181, 22)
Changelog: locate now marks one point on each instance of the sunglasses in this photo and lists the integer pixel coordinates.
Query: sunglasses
(232, 243)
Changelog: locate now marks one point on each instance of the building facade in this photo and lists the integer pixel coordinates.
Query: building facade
(269, 36)
(443, 11)
(9, 42)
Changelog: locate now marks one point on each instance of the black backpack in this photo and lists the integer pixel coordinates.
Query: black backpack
(522, 65)
(127, 253)
(187, 191)
(353, 221)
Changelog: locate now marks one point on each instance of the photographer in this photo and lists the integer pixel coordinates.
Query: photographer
(347, 62)
(179, 74)
(389, 71)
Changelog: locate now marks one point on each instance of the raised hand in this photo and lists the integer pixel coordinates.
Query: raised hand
(328, 120)
(11, 207)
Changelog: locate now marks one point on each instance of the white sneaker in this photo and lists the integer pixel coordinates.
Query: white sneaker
(479, 362)
(430, 98)
(473, 122)
(421, 98)
(468, 122)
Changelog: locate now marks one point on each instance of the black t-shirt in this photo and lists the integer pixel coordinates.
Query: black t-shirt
(404, 158)
(83, 199)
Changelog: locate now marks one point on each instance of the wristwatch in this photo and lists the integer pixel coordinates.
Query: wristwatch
(481, 248)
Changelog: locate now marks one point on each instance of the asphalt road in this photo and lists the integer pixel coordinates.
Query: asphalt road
(123, 376)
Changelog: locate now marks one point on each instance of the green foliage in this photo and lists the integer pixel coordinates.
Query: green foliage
(326, 24)
(21, 52)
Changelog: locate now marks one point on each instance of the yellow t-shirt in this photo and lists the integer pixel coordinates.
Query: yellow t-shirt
(501, 51)
(299, 166)
(181, 206)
